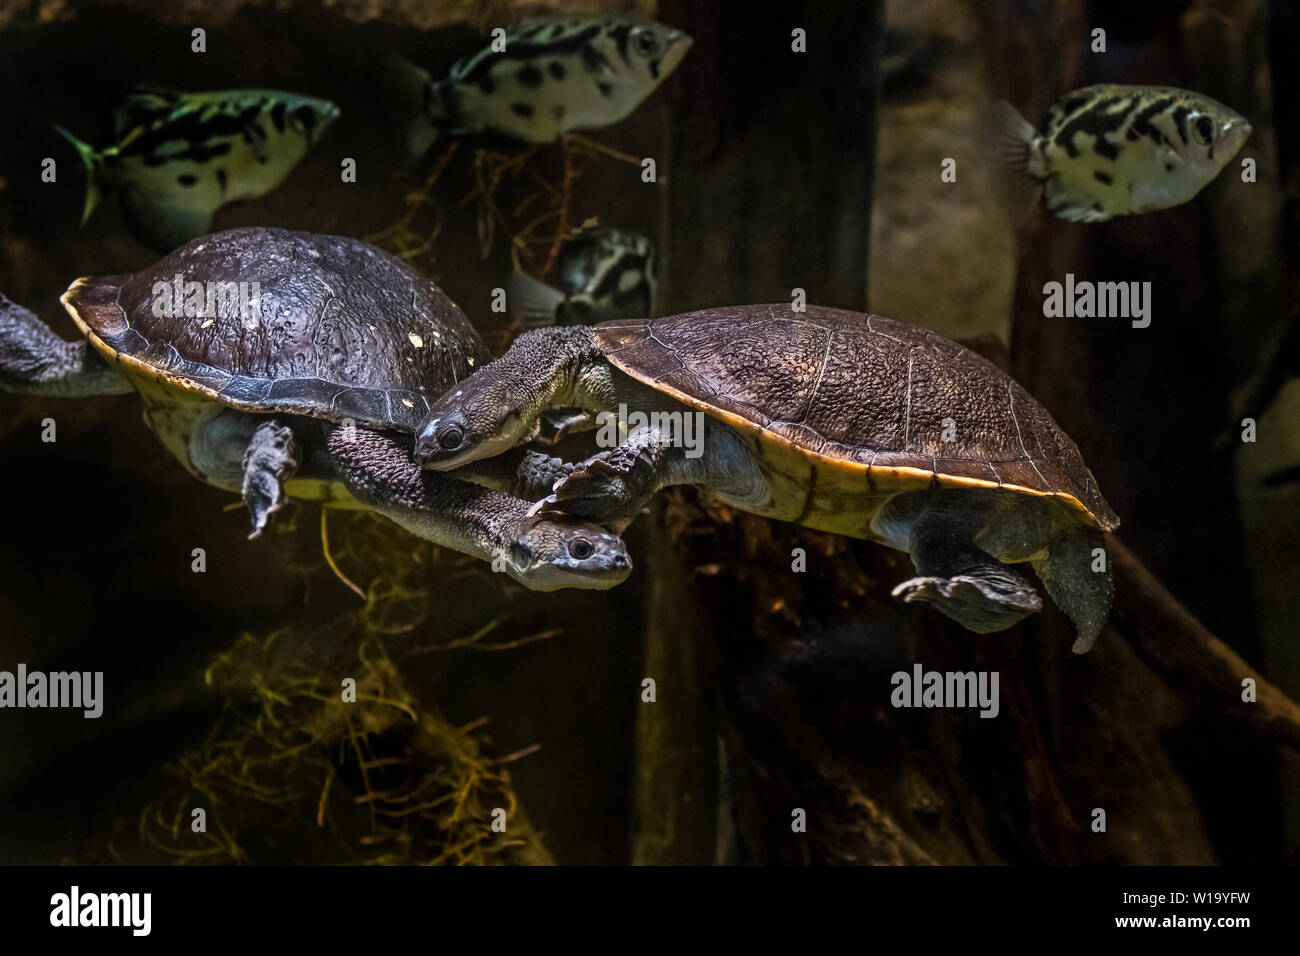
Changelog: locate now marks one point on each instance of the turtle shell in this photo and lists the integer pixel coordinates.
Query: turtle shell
(338, 330)
(860, 392)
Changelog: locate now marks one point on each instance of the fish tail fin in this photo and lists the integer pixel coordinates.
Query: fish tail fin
(532, 302)
(1011, 139)
(413, 104)
(95, 168)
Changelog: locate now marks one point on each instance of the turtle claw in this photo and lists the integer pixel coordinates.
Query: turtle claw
(547, 504)
(596, 490)
(976, 604)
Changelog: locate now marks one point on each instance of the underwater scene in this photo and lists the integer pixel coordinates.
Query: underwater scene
(649, 432)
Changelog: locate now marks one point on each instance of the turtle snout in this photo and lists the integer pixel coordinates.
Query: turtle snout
(438, 441)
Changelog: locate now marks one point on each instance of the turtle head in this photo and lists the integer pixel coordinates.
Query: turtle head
(554, 551)
(484, 416)
(498, 406)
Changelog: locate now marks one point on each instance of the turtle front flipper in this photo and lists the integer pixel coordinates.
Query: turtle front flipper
(541, 552)
(962, 581)
(35, 361)
(617, 483)
(272, 457)
(519, 472)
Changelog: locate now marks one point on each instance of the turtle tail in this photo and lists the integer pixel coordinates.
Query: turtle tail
(96, 169)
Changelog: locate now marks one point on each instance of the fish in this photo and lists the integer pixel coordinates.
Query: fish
(602, 274)
(177, 158)
(555, 75)
(1113, 150)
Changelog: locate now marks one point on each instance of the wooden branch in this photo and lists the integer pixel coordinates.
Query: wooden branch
(1189, 658)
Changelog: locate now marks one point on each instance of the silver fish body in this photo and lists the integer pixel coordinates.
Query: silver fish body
(556, 75)
(1114, 150)
(601, 274)
(179, 157)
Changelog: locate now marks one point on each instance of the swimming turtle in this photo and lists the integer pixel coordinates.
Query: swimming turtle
(276, 363)
(840, 421)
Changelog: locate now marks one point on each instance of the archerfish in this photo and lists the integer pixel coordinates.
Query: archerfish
(1114, 150)
(554, 75)
(179, 157)
(601, 274)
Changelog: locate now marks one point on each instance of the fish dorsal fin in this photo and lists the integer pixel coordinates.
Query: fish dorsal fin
(141, 107)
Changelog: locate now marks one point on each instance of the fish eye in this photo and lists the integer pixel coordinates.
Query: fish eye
(1204, 130)
(450, 437)
(581, 548)
(645, 43)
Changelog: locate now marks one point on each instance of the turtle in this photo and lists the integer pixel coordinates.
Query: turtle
(840, 421)
(283, 364)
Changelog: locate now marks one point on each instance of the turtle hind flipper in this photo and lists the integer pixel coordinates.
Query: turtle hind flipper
(35, 361)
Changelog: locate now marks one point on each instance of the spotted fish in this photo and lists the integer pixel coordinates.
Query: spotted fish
(1114, 150)
(601, 274)
(179, 157)
(554, 75)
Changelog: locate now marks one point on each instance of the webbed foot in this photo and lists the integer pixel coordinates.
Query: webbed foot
(982, 602)
(272, 457)
(598, 490)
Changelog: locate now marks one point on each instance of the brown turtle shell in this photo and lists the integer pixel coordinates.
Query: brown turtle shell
(860, 391)
(343, 330)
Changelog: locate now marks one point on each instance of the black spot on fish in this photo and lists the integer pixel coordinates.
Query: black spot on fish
(1073, 102)
(473, 69)
(222, 179)
(187, 128)
(654, 69)
(556, 69)
(187, 179)
(277, 117)
(1180, 122)
(591, 59)
(1096, 125)
(307, 117)
(605, 88)
(486, 84)
(558, 111)
(621, 33)
(1096, 207)
(521, 109)
(1169, 167)
(1141, 125)
(530, 76)
(198, 152)
(1105, 148)
(1104, 178)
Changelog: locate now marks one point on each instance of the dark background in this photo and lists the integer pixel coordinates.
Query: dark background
(773, 687)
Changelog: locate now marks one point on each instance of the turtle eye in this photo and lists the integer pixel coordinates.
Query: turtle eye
(581, 548)
(645, 43)
(450, 437)
(1203, 130)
